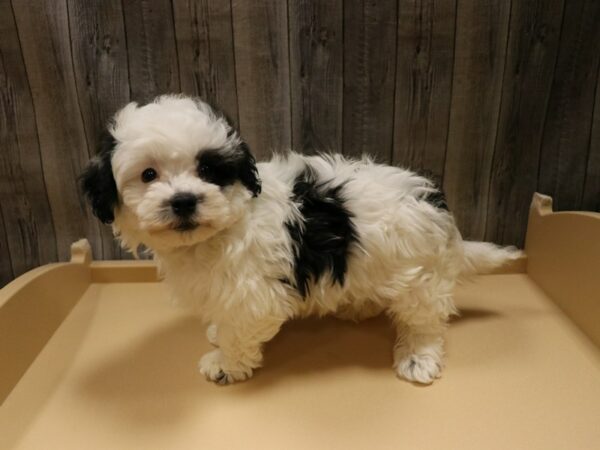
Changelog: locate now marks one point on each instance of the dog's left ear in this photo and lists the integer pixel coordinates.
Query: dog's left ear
(244, 160)
(247, 172)
(98, 183)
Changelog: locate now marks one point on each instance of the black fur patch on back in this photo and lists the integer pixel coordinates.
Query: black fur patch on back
(322, 240)
(437, 199)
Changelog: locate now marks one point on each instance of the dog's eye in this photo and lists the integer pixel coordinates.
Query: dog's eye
(203, 169)
(149, 175)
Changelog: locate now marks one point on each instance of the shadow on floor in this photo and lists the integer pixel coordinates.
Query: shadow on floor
(155, 381)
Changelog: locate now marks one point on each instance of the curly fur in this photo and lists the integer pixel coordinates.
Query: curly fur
(294, 236)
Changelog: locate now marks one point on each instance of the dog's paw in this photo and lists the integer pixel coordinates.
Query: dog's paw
(420, 368)
(211, 334)
(215, 367)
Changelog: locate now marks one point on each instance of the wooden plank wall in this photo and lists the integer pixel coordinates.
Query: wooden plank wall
(493, 99)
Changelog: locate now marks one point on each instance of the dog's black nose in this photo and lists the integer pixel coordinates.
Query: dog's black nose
(184, 204)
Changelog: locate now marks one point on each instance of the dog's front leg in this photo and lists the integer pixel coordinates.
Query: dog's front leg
(211, 334)
(239, 349)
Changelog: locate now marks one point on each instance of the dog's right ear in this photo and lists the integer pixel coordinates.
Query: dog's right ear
(98, 183)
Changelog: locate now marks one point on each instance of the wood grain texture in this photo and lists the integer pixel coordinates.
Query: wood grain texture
(566, 138)
(370, 29)
(63, 145)
(204, 33)
(28, 231)
(423, 84)
(6, 270)
(495, 98)
(263, 74)
(531, 56)
(481, 33)
(316, 64)
(151, 48)
(102, 77)
(591, 188)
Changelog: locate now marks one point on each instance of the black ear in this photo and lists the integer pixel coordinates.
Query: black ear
(248, 174)
(98, 183)
(245, 164)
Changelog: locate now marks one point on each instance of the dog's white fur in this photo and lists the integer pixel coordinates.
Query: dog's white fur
(407, 260)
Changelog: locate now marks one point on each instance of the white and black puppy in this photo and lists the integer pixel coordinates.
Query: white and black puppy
(254, 245)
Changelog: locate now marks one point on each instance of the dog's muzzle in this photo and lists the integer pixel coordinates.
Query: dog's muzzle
(184, 205)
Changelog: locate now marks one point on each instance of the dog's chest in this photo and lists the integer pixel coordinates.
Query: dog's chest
(195, 277)
(214, 279)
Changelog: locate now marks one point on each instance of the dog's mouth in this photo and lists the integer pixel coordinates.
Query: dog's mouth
(185, 226)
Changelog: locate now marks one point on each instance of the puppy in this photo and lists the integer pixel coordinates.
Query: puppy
(254, 245)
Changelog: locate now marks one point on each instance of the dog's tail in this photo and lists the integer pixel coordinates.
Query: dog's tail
(483, 257)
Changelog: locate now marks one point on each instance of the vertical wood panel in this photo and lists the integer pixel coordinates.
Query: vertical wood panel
(152, 53)
(481, 33)
(423, 83)
(27, 232)
(44, 35)
(205, 48)
(566, 138)
(591, 189)
(262, 72)
(489, 95)
(316, 64)
(6, 272)
(370, 29)
(532, 49)
(101, 74)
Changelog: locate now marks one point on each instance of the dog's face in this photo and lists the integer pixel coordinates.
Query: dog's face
(171, 173)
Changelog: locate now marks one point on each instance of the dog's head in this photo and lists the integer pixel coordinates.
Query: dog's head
(170, 173)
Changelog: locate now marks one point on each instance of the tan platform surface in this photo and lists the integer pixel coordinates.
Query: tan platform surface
(120, 373)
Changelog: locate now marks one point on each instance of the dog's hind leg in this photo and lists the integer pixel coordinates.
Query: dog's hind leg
(421, 320)
(239, 349)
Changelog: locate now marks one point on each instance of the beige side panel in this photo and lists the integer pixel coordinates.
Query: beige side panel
(563, 251)
(33, 306)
